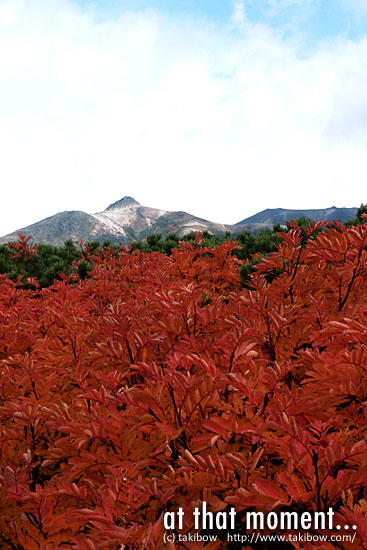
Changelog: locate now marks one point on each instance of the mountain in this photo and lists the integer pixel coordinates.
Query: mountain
(271, 216)
(126, 220)
(121, 222)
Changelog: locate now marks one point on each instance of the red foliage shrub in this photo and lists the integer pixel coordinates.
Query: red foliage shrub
(159, 383)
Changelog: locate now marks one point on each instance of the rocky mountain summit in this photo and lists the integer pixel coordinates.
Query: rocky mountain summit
(121, 222)
(125, 201)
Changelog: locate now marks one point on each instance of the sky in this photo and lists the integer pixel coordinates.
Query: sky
(221, 108)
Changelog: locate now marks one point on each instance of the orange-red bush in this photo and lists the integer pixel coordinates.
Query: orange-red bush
(160, 383)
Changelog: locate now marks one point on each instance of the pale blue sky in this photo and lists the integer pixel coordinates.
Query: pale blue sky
(220, 108)
(217, 9)
(317, 19)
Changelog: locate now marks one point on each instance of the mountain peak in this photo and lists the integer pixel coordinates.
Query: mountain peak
(125, 201)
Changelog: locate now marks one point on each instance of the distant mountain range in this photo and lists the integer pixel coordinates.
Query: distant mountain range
(126, 220)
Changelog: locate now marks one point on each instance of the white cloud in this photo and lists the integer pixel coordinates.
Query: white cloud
(178, 114)
(239, 17)
(348, 122)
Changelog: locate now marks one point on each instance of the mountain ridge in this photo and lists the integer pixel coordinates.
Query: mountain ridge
(281, 215)
(126, 220)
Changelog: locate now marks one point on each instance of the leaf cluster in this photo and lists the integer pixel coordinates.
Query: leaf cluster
(159, 382)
